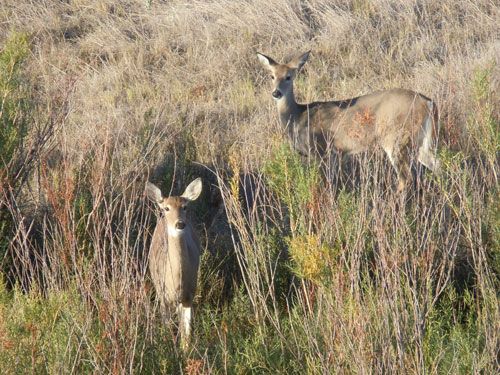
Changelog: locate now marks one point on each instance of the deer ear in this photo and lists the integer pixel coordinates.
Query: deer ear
(193, 190)
(299, 61)
(266, 61)
(153, 192)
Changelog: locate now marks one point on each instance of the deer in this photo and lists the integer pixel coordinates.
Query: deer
(174, 255)
(402, 122)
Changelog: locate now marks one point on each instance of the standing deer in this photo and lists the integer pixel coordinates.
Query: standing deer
(174, 255)
(401, 122)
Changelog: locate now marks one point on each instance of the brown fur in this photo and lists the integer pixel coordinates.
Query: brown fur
(393, 119)
(174, 255)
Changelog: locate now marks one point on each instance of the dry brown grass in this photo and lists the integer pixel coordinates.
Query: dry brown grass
(192, 65)
(149, 89)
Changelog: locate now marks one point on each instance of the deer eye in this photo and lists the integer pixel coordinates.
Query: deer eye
(272, 77)
(288, 78)
(167, 208)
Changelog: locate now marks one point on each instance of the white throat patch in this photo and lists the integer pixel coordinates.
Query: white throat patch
(174, 232)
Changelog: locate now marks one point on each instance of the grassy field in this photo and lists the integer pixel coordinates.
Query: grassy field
(307, 275)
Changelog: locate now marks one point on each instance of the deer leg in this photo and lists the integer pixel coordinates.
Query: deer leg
(403, 172)
(185, 315)
(426, 158)
(401, 165)
(426, 154)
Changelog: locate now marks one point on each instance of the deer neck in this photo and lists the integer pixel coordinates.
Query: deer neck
(177, 246)
(288, 109)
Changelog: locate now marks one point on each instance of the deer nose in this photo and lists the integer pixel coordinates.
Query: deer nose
(180, 225)
(277, 94)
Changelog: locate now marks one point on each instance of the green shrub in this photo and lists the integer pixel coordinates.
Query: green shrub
(453, 342)
(312, 259)
(14, 120)
(294, 182)
(14, 107)
(37, 334)
(483, 125)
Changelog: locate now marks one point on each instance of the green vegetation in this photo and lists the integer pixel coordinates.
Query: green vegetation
(14, 106)
(294, 183)
(484, 124)
(14, 120)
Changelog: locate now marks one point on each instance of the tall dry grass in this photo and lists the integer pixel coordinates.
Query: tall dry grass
(302, 273)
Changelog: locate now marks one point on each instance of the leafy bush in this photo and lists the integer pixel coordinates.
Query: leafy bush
(14, 107)
(294, 182)
(483, 125)
(312, 259)
(14, 121)
(453, 342)
(39, 334)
